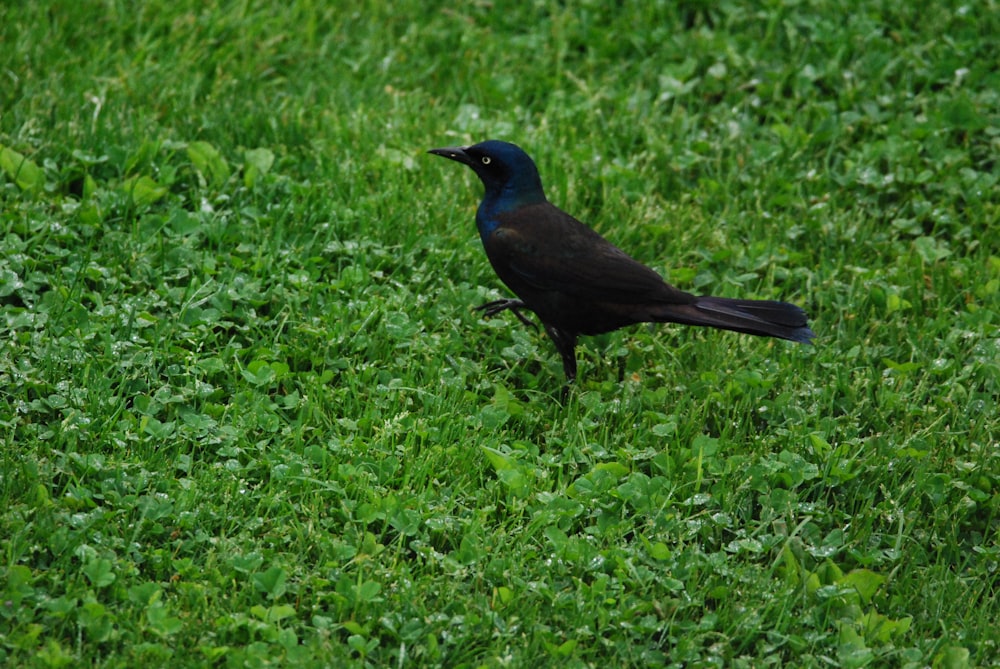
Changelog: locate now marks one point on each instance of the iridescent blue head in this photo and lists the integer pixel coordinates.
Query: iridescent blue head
(508, 174)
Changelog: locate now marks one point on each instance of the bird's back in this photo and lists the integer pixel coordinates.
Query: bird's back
(571, 276)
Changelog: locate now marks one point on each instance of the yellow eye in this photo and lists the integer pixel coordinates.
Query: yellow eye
(486, 160)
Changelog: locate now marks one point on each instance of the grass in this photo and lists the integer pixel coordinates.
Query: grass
(251, 419)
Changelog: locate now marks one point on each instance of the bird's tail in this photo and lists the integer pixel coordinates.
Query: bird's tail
(765, 318)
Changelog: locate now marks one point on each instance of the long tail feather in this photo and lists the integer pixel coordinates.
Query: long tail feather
(764, 318)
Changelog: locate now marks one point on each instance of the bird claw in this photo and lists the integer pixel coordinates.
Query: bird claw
(496, 306)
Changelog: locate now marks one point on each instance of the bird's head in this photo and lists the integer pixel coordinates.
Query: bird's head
(506, 171)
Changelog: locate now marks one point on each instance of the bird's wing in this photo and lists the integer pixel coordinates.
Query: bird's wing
(550, 250)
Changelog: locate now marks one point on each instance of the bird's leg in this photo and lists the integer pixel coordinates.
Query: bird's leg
(566, 345)
(496, 306)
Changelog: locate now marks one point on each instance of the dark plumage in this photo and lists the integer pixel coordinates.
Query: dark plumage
(577, 282)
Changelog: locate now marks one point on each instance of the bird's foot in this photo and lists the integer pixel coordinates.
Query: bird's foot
(496, 306)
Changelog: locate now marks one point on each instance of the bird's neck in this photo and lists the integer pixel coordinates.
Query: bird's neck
(503, 200)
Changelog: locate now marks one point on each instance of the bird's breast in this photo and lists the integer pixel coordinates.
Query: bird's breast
(487, 220)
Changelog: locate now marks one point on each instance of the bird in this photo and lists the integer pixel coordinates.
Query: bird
(574, 280)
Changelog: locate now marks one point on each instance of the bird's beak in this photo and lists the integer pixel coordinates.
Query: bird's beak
(456, 153)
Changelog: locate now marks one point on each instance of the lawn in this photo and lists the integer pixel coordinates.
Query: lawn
(251, 419)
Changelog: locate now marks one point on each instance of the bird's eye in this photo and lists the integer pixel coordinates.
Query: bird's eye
(486, 160)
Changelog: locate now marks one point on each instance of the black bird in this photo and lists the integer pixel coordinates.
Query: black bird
(576, 281)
